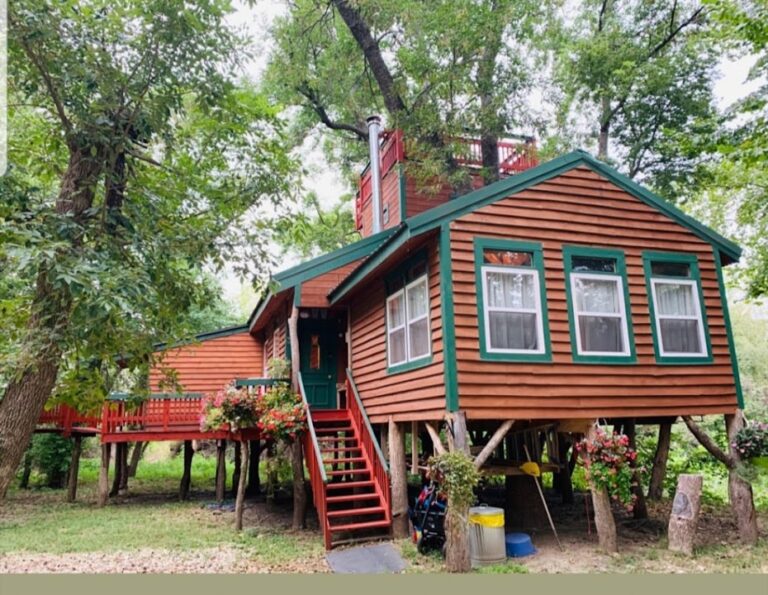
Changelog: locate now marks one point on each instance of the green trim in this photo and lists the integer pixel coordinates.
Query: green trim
(401, 182)
(240, 382)
(407, 366)
(535, 248)
(456, 208)
(225, 332)
(729, 331)
(621, 270)
(398, 239)
(297, 295)
(448, 322)
(693, 262)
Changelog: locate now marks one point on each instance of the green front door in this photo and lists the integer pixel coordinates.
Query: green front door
(317, 350)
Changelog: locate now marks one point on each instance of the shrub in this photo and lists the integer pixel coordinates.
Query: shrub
(51, 455)
(752, 441)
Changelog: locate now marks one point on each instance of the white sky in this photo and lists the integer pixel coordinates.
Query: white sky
(326, 182)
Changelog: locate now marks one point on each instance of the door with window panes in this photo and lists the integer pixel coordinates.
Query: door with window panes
(317, 358)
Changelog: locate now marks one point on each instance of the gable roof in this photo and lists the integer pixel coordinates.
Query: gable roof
(453, 209)
(207, 336)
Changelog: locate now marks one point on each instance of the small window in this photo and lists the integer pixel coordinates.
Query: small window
(679, 326)
(510, 300)
(408, 333)
(599, 311)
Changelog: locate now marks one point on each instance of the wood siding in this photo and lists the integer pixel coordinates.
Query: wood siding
(390, 197)
(314, 293)
(582, 208)
(419, 198)
(410, 395)
(209, 365)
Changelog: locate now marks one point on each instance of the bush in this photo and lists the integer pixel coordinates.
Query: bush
(51, 455)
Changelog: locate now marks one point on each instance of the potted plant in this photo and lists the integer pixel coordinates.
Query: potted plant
(751, 442)
(230, 406)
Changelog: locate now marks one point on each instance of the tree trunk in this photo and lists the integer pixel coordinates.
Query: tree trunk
(32, 384)
(123, 485)
(639, 510)
(271, 473)
(685, 514)
(659, 471)
(605, 128)
(221, 470)
(186, 478)
(237, 470)
(564, 482)
(24, 483)
(604, 522)
(397, 468)
(240, 501)
(74, 468)
(457, 558)
(104, 475)
(299, 491)
(118, 475)
(739, 490)
(254, 481)
(138, 451)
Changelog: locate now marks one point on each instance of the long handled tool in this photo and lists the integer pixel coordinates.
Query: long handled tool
(534, 471)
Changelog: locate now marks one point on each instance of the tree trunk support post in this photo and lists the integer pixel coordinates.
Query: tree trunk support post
(186, 478)
(640, 510)
(604, 521)
(74, 467)
(297, 455)
(221, 470)
(104, 475)
(659, 471)
(685, 514)
(740, 490)
(237, 470)
(119, 468)
(254, 480)
(397, 468)
(240, 500)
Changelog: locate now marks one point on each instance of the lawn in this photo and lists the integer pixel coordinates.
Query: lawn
(149, 530)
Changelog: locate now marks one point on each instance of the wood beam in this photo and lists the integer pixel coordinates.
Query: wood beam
(493, 443)
(435, 438)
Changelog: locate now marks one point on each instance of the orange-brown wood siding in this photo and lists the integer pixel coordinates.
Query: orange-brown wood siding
(314, 293)
(420, 198)
(390, 198)
(209, 365)
(580, 207)
(411, 395)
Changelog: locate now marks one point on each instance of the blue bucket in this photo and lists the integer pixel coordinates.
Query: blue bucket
(519, 545)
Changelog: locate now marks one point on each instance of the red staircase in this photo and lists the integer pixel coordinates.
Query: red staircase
(350, 479)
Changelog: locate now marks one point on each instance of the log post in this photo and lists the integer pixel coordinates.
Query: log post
(397, 468)
(685, 514)
(297, 458)
(740, 490)
(254, 480)
(118, 478)
(74, 467)
(221, 470)
(414, 448)
(27, 472)
(138, 451)
(639, 510)
(601, 503)
(186, 478)
(104, 475)
(271, 456)
(240, 500)
(437, 445)
(237, 470)
(493, 443)
(459, 430)
(564, 483)
(659, 471)
(122, 486)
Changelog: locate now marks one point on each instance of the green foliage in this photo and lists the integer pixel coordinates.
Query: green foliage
(51, 455)
(608, 462)
(457, 476)
(752, 440)
(283, 416)
(279, 367)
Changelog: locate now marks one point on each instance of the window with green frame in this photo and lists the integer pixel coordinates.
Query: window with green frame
(409, 342)
(676, 304)
(598, 305)
(511, 300)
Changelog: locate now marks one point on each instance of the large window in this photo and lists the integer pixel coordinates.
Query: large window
(408, 333)
(598, 305)
(511, 300)
(679, 324)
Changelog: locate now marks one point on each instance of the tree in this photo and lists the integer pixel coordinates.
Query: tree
(642, 71)
(439, 70)
(142, 159)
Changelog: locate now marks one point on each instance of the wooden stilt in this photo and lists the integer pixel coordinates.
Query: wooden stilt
(221, 470)
(240, 501)
(436, 443)
(254, 480)
(186, 478)
(27, 472)
(384, 433)
(493, 443)
(104, 475)
(237, 470)
(271, 457)
(659, 471)
(740, 490)
(414, 447)
(136, 454)
(118, 476)
(564, 482)
(640, 510)
(399, 480)
(122, 485)
(604, 522)
(74, 467)
(459, 426)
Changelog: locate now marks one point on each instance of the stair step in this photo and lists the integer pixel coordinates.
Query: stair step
(363, 471)
(334, 514)
(366, 525)
(349, 484)
(330, 415)
(341, 449)
(332, 430)
(344, 460)
(352, 498)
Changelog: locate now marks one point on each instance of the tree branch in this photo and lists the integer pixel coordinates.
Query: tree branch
(673, 32)
(709, 444)
(314, 101)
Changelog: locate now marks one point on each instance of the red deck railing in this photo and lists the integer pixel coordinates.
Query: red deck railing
(369, 444)
(63, 418)
(316, 468)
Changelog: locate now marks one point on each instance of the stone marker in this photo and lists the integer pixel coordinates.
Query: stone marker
(685, 514)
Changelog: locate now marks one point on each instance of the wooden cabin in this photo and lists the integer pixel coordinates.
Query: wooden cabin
(561, 294)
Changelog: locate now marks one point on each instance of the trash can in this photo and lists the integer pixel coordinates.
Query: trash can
(486, 536)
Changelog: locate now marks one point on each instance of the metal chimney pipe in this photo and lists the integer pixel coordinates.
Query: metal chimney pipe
(374, 129)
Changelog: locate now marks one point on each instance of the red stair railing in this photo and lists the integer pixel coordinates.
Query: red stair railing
(317, 475)
(369, 444)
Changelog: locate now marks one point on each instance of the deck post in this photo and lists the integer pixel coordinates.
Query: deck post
(739, 490)
(221, 470)
(74, 467)
(138, 450)
(238, 468)
(564, 482)
(254, 481)
(397, 467)
(656, 486)
(601, 502)
(297, 456)
(119, 467)
(104, 474)
(186, 478)
(414, 447)
(640, 510)
(240, 500)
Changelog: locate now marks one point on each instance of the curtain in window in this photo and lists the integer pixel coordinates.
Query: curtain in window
(396, 328)
(418, 319)
(675, 299)
(511, 329)
(594, 297)
(511, 290)
(678, 318)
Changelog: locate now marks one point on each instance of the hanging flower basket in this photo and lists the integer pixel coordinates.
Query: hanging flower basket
(751, 442)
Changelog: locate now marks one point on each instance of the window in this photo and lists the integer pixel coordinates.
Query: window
(408, 332)
(598, 305)
(678, 322)
(511, 299)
